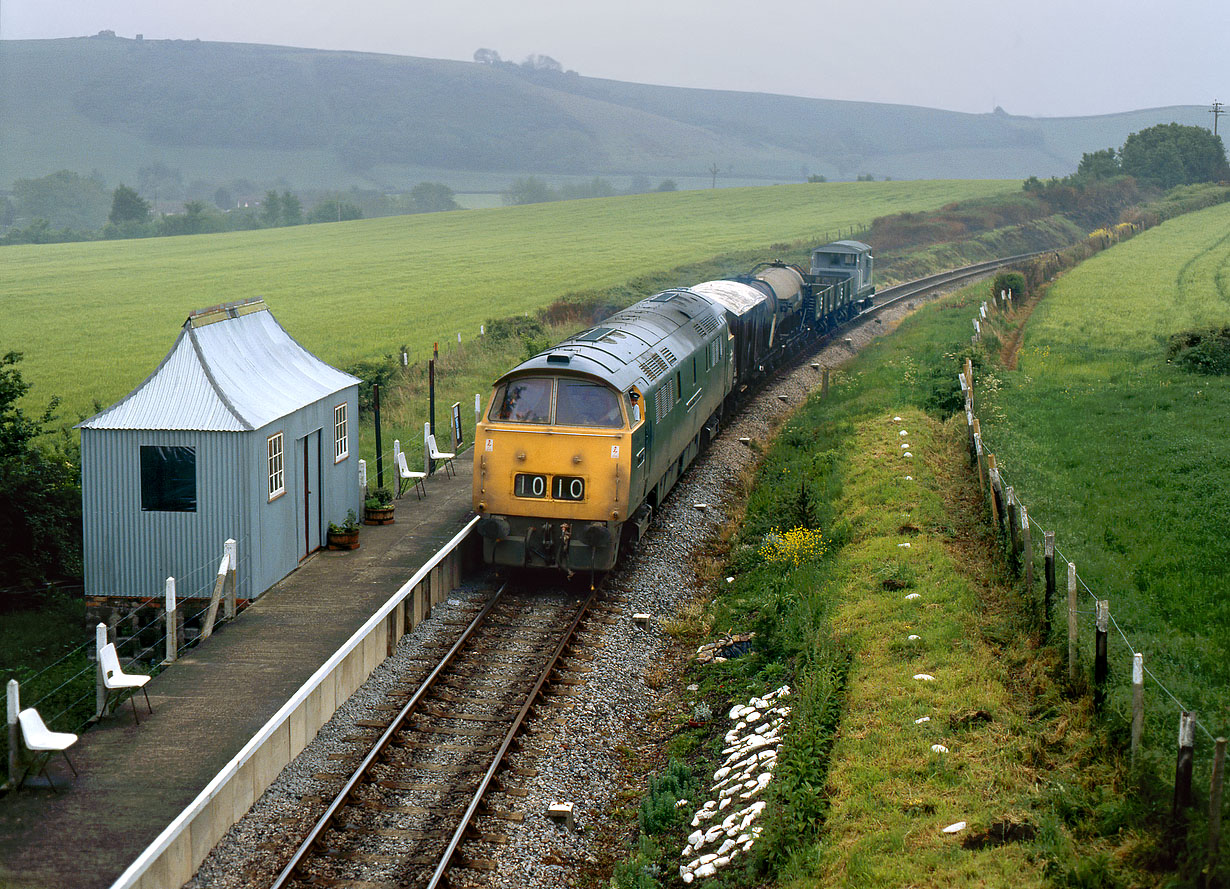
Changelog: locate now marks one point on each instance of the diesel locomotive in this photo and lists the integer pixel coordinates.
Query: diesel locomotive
(581, 443)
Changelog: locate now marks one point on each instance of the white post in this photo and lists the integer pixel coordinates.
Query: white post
(14, 707)
(100, 693)
(1138, 704)
(172, 622)
(482, 330)
(1071, 623)
(477, 410)
(396, 451)
(459, 337)
(363, 478)
(232, 557)
(426, 449)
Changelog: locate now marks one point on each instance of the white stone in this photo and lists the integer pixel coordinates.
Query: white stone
(693, 687)
(706, 870)
(912, 596)
(725, 847)
(913, 637)
(938, 748)
(695, 838)
(713, 833)
(696, 820)
(741, 724)
(743, 838)
(909, 478)
(721, 773)
(896, 419)
(920, 720)
(732, 736)
(906, 545)
(730, 580)
(681, 803)
(905, 446)
(722, 862)
(757, 831)
(687, 850)
(924, 677)
(736, 712)
(957, 827)
(712, 804)
(719, 660)
(902, 432)
(724, 804)
(686, 876)
(706, 859)
(753, 716)
(747, 847)
(763, 779)
(758, 703)
(907, 454)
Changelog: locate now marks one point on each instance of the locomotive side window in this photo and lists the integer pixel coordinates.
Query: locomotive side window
(523, 401)
(578, 403)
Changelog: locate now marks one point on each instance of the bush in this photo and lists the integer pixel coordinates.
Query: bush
(1012, 282)
(1201, 351)
(658, 812)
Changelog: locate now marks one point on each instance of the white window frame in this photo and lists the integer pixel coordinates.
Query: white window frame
(341, 432)
(277, 465)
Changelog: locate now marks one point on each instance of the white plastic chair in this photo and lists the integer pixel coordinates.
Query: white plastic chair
(43, 741)
(405, 475)
(116, 680)
(435, 453)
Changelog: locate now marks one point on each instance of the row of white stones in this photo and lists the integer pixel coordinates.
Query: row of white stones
(923, 677)
(750, 759)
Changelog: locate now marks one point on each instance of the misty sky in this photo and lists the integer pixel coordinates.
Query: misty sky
(1037, 57)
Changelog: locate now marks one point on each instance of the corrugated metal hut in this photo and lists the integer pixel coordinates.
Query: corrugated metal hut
(240, 432)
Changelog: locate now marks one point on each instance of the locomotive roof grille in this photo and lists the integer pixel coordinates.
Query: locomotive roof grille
(654, 366)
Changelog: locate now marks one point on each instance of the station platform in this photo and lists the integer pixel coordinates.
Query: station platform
(135, 779)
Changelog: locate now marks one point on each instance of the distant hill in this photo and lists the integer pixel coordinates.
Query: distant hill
(321, 119)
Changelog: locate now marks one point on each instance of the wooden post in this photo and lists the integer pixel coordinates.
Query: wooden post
(1138, 705)
(982, 482)
(824, 383)
(12, 708)
(232, 556)
(1100, 667)
(172, 610)
(100, 690)
(1071, 623)
(1183, 764)
(1013, 524)
(1048, 600)
(993, 480)
(215, 599)
(1216, 788)
(1027, 542)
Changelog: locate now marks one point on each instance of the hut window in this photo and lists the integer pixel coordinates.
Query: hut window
(341, 441)
(277, 477)
(168, 479)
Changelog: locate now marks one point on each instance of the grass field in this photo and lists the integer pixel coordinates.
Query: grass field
(94, 319)
(1126, 456)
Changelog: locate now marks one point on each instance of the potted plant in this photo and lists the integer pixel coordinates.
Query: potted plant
(378, 507)
(345, 535)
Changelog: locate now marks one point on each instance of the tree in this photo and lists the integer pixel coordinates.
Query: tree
(128, 206)
(292, 209)
(271, 209)
(65, 199)
(535, 62)
(667, 185)
(430, 197)
(1099, 164)
(529, 190)
(40, 495)
(486, 56)
(334, 210)
(1172, 154)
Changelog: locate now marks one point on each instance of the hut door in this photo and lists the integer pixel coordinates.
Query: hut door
(309, 521)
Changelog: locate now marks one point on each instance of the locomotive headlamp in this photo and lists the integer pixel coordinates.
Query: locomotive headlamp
(576, 458)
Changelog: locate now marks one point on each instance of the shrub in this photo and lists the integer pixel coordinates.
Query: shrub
(1012, 282)
(658, 811)
(1201, 351)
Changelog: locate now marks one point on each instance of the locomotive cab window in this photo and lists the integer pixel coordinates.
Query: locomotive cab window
(526, 400)
(578, 403)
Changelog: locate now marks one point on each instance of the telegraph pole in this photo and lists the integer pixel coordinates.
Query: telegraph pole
(1218, 109)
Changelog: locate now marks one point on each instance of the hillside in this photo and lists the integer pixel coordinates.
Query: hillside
(322, 119)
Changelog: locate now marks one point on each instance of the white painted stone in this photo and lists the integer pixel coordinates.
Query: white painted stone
(712, 804)
(912, 596)
(719, 660)
(686, 876)
(681, 803)
(938, 748)
(706, 870)
(693, 687)
(687, 850)
(905, 545)
(913, 637)
(736, 712)
(759, 703)
(747, 847)
(902, 432)
(909, 478)
(724, 804)
(763, 779)
(706, 859)
(924, 677)
(757, 831)
(905, 446)
(743, 838)
(748, 785)
(722, 862)
(695, 837)
(741, 724)
(896, 419)
(721, 773)
(754, 716)
(956, 827)
(726, 846)
(920, 720)
(907, 454)
(713, 833)
(730, 580)
(696, 820)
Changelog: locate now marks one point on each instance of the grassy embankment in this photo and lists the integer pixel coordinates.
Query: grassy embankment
(1043, 786)
(94, 319)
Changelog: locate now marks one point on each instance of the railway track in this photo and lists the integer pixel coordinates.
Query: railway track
(898, 292)
(413, 798)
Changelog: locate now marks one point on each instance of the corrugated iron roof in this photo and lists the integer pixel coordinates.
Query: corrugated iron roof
(233, 368)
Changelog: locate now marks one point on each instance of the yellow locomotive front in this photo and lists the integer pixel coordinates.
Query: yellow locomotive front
(552, 462)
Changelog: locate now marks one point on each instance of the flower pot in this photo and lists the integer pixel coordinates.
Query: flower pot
(378, 515)
(344, 539)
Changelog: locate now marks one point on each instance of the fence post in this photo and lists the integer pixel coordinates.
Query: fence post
(978, 455)
(215, 598)
(396, 451)
(1183, 763)
(1216, 787)
(232, 557)
(1048, 600)
(1013, 521)
(993, 479)
(1138, 704)
(1100, 667)
(13, 701)
(100, 689)
(172, 608)
(1027, 541)
(1071, 623)
(363, 479)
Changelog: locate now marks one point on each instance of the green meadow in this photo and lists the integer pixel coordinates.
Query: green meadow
(1126, 456)
(94, 319)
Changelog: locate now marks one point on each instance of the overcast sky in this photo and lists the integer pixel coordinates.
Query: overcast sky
(1036, 57)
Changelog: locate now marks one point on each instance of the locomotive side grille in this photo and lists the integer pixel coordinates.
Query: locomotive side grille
(665, 399)
(706, 325)
(670, 356)
(654, 366)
